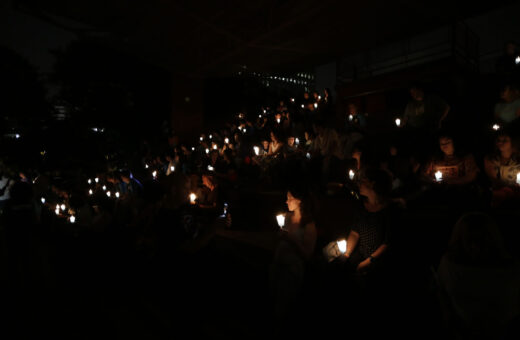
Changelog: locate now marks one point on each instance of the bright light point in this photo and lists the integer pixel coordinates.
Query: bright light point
(315, 105)
(192, 148)
(303, 106)
(257, 150)
(154, 174)
(438, 176)
(210, 136)
(57, 211)
(281, 220)
(201, 139)
(17, 136)
(292, 100)
(90, 192)
(117, 194)
(104, 187)
(308, 155)
(89, 181)
(207, 150)
(351, 174)
(63, 207)
(342, 246)
(278, 120)
(518, 178)
(172, 168)
(398, 122)
(146, 166)
(496, 127)
(226, 140)
(297, 141)
(210, 168)
(97, 180)
(193, 197)
(43, 200)
(215, 147)
(517, 60)
(350, 117)
(109, 193)
(72, 219)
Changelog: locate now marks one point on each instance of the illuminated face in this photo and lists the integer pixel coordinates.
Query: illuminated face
(290, 141)
(265, 144)
(503, 143)
(292, 202)
(273, 138)
(352, 109)
(446, 145)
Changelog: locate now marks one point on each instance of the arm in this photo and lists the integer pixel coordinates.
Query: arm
(352, 240)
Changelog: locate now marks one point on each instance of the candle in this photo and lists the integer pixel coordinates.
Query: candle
(292, 100)
(154, 173)
(278, 120)
(90, 192)
(172, 168)
(517, 60)
(297, 141)
(207, 151)
(350, 117)
(518, 178)
(57, 207)
(72, 219)
(342, 246)
(265, 111)
(57, 211)
(319, 97)
(303, 106)
(146, 166)
(193, 197)
(201, 139)
(210, 168)
(257, 150)
(210, 136)
(496, 127)
(109, 193)
(214, 146)
(315, 105)
(117, 194)
(259, 116)
(398, 122)
(438, 176)
(96, 179)
(351, 174)
(192, 148)
(89, 181)
(308, 155)
(104, 188)
(280, 218)
(244, 130)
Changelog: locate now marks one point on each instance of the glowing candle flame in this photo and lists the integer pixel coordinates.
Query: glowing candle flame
(192, 148)
(146, 166)
(72, 219)
(96, 180)
(315, 105)
(351, 174)
(517, 60)
(398, 122)
(281, 220)
(438, 176)
(172, 168)
(496, 127)
(257, 150)
(57, 207)
(350, 117)
(63, 207)
(193, 197)
(342, 246)
(89, 181)
(57, 211)
(518, 178)
(226, 140)
(210, 168)
(297, 141)
(104, 188)
(215, 147)
(117, 194)
(292, 100)
(109, 193)
(207, 150)
(278, 120)
(308, 155)
(43, 200)
(154, 173)
(201, 139)
(210, 136)
(90, 192)
(303, 106)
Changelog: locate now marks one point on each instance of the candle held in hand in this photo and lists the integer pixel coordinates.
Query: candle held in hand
(97, 180)
(63, 207)
(518, 178)
(193, 197)
(109, 193)
(496, 127)
(280, 218)
(43, 200)
(351, 174)
(117, 194)
(257, 150)
(72, 219)
(438, 176)
(342, 246)
(397, 122)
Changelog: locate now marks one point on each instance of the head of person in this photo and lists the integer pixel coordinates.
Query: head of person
(265, 144)
(290, 140)
(298, 200)
(447, 145)
(417, 92)
(504, 143)
(375, 183)
(476, 240)
(274, 137)
(352, 109)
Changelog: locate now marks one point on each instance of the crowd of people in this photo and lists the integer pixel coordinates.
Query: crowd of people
(174, 200)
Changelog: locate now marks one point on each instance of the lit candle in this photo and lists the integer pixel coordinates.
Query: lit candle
(192, 148)
(297, 141)
(104, 188)
(154, 173)
(57, 211)
(280, 218)
(96, 179)
(172, 168)
(342, 246)
(496, 127)
(319, 97)
(43, 200)
(518, 178)
(292, 100)
(438, 176)
(210, 168)
(215, 147)
(89, 181)
(315, 105)
(146, 166)
(90, 192)
(398, 122)
(257, 150)
(63, 207)
(517, 60)
(72, 219)
(303, 106)
(201, 139)
(17, 136)
(350, 117)
(278, 120)
(226, 140)
(207, 150)
(210, 136)
(259, 116)
(57, 207)
(117, 194)
(244, 130)
(308, 155)
(109, 193)
(265, 111)
(193, 197)
(351, 174)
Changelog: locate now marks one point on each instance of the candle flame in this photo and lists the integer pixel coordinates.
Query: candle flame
(72, 219)
(97, 180)
(43, 200)
(351, 174)
(342, 246)
(280, 218)
(63, 207)
(117, 194)
(193, 197)
(438, 176)
(398, 122)
(496, 127)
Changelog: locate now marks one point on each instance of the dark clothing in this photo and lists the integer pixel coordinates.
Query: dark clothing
(425, 114)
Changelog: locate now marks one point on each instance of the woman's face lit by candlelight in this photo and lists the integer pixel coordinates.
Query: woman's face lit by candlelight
(503, 144)
(292, 202)
(446, 145)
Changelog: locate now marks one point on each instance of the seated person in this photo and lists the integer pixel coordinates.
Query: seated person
(455, 168)
(276, 144)
(508, 109)
(502, 168)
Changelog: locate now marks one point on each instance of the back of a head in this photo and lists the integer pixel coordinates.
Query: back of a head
(476, 240)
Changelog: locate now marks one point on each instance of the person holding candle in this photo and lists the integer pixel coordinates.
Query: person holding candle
(276, 144)
(508, 109)
(296, 247)
(370, 234)
(502, 168)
